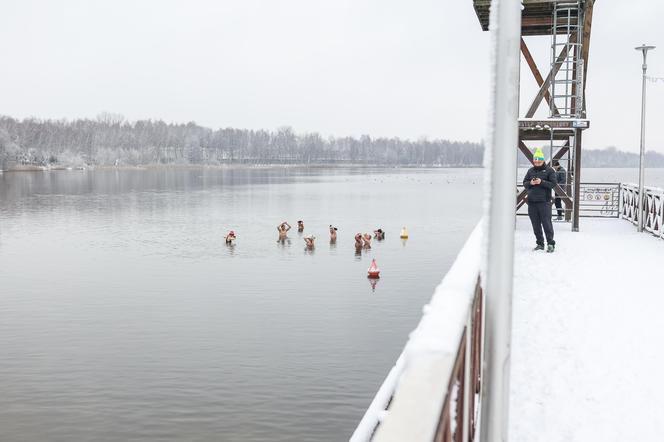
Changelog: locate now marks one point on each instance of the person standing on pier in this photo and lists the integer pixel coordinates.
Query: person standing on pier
(561, 178)
(538, 182)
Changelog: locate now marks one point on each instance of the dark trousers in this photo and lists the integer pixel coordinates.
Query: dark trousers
(540, 217)
(559, 207)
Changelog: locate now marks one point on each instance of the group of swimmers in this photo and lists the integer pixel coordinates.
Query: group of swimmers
(364, 241)
(361, 241)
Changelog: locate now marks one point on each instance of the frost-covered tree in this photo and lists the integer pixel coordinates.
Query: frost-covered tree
(110, 139)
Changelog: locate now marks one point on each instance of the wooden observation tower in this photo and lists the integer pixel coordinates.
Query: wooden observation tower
(567, 24)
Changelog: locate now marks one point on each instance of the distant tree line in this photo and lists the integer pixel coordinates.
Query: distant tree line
(612, 157)
(609, 157)
(111, 140)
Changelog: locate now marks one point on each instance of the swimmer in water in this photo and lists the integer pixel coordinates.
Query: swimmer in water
(230, 237)
(358, 241)
(309, 240)
(300, 226)
(379, 235)
(367, 241)
(333, 234)
(283, 229)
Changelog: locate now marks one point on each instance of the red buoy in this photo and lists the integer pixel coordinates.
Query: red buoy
(373, 272)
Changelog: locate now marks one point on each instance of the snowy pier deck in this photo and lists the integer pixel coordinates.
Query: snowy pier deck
(586, 342)
(587, 335)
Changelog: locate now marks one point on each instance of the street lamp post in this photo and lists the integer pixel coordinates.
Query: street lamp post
(643, 48)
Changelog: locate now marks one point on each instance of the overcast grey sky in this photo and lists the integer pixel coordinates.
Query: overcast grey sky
(342, 67)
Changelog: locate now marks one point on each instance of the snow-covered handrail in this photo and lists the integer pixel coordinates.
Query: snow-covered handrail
(653, 207)
(439, 367)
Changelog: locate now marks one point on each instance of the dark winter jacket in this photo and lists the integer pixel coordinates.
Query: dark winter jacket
(540, 193)
(561, 176)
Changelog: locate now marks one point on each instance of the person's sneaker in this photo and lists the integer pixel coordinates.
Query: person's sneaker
(559, 218)
(539, 247)
(550, 248)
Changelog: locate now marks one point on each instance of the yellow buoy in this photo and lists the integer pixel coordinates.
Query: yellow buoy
(404, 233)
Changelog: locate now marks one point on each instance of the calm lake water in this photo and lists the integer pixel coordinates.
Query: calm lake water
(124, 316)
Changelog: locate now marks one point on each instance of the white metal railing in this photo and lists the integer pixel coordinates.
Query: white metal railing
(439, 369)
(653, 207)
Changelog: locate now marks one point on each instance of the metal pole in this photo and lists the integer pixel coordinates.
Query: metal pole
(577, 180)
(499, 218)
(643, 48)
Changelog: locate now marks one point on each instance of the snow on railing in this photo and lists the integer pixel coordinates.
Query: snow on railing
(653, 209)
(433, 390)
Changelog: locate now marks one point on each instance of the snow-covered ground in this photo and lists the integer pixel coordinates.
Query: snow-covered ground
(588, 339)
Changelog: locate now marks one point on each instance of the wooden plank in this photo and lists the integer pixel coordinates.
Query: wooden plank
(545, 135)
(536, 16)
(560, 193)
(585, 52)
(539, 11)
(427, 382)
(487, 3)
(536, 73)
(567, 201)
(521, 199)
(574, 76)
(563, 150)
(545, 22)
(545, 86)
(526, 152)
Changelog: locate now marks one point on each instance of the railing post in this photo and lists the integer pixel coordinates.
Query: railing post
(499, 218)
(660, 215)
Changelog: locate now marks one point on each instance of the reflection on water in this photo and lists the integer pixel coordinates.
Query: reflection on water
(125, 316)
(231, 248)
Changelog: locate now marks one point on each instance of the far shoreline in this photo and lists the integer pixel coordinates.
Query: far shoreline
(240, 166)
(35, 168)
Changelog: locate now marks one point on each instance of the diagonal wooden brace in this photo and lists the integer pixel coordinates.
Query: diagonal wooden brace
(544, 88)
(536, 73)
(560, 193)
(525, 151)
(587, 26)
(521, 199)
(563, 150)
(529, 155)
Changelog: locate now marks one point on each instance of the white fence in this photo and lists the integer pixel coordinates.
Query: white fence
(433, 390)
(653, 210)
